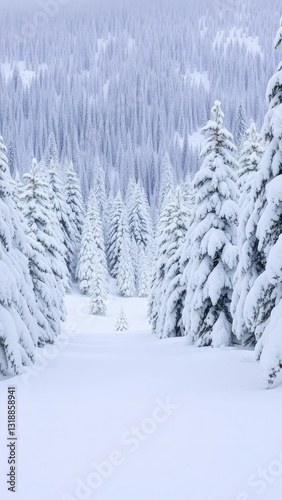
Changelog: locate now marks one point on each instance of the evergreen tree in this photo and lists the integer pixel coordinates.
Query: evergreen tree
(171, 230)
(122, 323)
(116, 225)
(188, 194)
(46, 262)
(126, 271)
(167, 180)
(76, 212)
(240, 127)
(172, 292)
(139, 220)
(99, 184)
(92, 266)
(51, 152)
(248, 267)
(250, 156)
(265, 295)
(98, 288)
(143, 277)
(18, 326)
(62, 212)
(213, 235)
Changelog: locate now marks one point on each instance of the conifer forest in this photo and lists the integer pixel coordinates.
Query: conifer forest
(140, 249)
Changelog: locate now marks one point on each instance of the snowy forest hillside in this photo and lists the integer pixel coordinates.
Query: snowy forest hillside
(140, 249)
(129, 82)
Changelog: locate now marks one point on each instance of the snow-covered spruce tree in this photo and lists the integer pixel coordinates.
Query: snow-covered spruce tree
(240, 127)
(249, 159)
(76, 212)
(172, 291)
(46, 261)
(167, 180)
(18, 190)
(264, 304)
(98, 287)
(170, 234)
(139, 219)
(143, 275)
(61, 210)
(213, 238)
(92, 263)
(188, 194)
(248, 267)
(18, 326)
(117, 225)
(126, 270)
(122, 323)
(100, 185)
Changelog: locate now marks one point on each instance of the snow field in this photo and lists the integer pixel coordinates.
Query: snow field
(95, 403)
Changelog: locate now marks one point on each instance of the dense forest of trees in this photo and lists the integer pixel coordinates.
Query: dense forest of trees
(141, 80)
(206, 248)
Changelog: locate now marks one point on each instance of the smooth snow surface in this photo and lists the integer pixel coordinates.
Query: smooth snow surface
(75, 410)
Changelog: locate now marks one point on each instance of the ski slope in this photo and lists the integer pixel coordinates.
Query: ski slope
(124, 416)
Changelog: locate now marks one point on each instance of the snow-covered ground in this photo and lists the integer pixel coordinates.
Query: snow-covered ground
(172, 422)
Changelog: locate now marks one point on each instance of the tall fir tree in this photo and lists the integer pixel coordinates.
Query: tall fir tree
(46, 262)
(92, 265)
(100, 184)
(126, 271)
(62, 212)
(213, 236)
(240, 127)
(171, 295)
(18, 310)
(143, 273)
(167, 180)
(75, 204)
(139, 219)
(263, 305)
(248, 267)
(117, 225)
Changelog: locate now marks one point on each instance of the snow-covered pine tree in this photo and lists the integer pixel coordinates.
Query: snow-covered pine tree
(92, 263)
(213, 236)
(99, 286)
(18, 190)
(116, 225)
(46, 261)
(171, 231)
(188, 194)
(143, 273)
(263, 304)
(51, 151)
(18, 311)
(248, 267)
(167, 180)
(240, 127)
(76, 212)
(122, 323)
(250, 156)
(61, 210)
(100, 185)
(139, 219)
(172, 291)
(126, 270)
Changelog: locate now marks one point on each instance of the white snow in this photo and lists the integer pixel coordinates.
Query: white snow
(195, 140)
(76, 409)
(196, 78)
(26, 75)
(235, 35)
